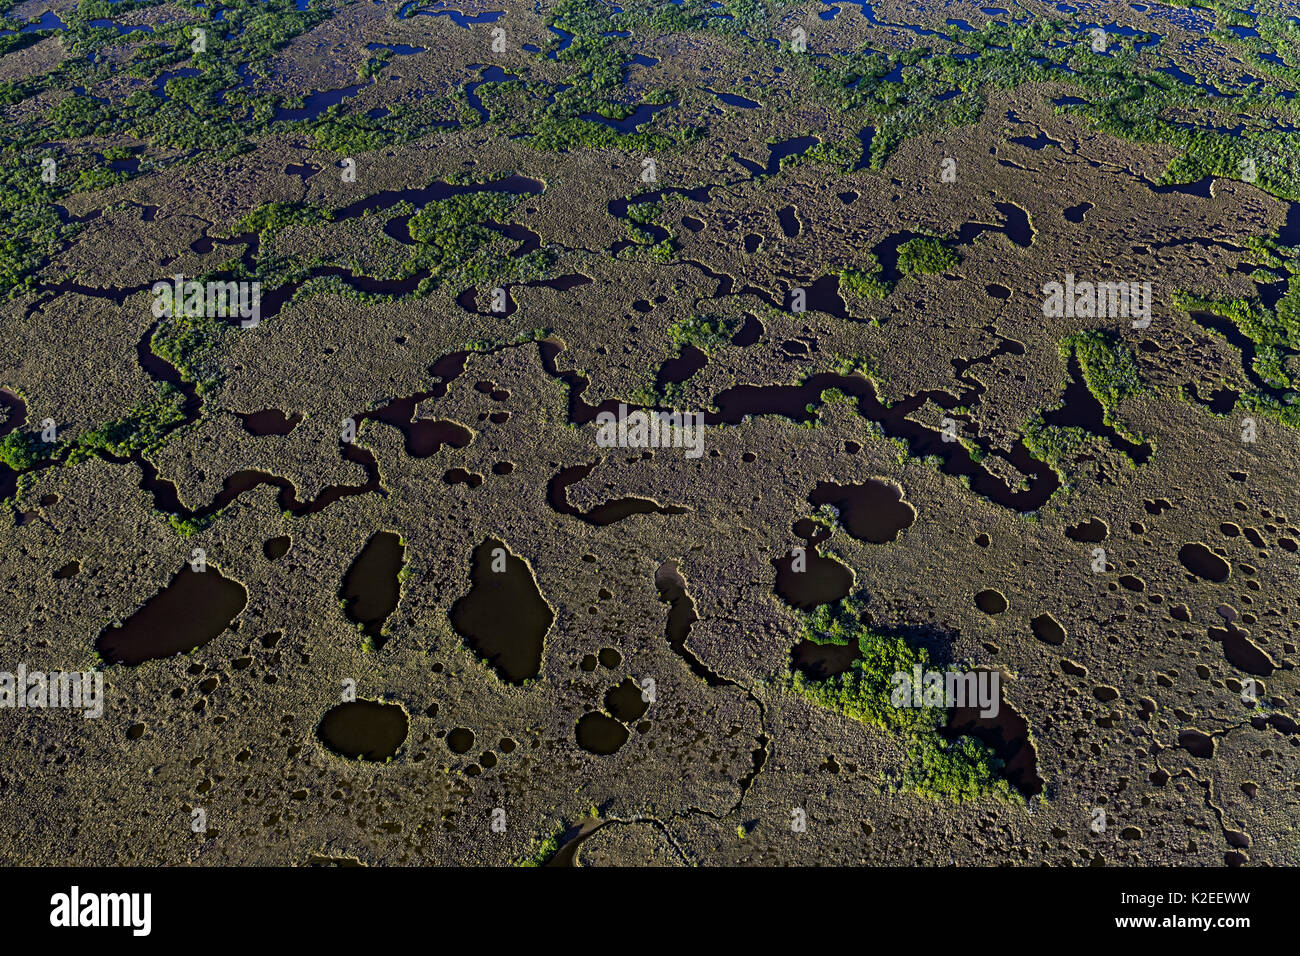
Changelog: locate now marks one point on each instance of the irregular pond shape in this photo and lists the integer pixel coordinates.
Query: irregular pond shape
(608, 512)
(1196, 743)
(167, 499)
(1279, 722)
(314, 104)
(189, 612)
(69, 570)
(276, 548)
(503, 618)
(371, 587)
(580, 413)
(1077, 213)
(823, 295)
(820, 661)
(734, 99)
(865, 136)
(789, 221)
(874, 511)
(751, 330)
(1090, 531)
(460, 740)
(671, 586)
(642, 114)
(1203, 562)
(991, 601)
(790, 147)
(682, 367)
(1007, 734)
(459, 476)
(625, 702)
(1221, 401)
(270, 421)
(823, 580)
(1081, 409)
(737, 403)
(1241, 652)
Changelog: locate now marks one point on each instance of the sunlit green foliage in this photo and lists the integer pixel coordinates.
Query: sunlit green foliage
(139, 430)
(268, 219)
(22, 450)
(541, 851)
(1109, 368)
(705, 332)
(925, 255)
(452, 240)
(1056, 445)
(866, 282)
(1274, 336)
(960, 769)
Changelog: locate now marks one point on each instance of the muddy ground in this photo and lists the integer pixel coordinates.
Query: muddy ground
(471, 423)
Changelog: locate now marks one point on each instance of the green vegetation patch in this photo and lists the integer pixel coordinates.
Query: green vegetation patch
(139, 430)
(960, 769)
(706, 332)
(22, 451)
(452, 241)
(1109, 369)
(1274, 335)
(541, 851)
(925, 255)
(270, 218)
(865, 283)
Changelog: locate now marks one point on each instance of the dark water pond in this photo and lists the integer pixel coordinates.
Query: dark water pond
(371, 587)
(364, 730)
(503, 618)
(188, 613)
